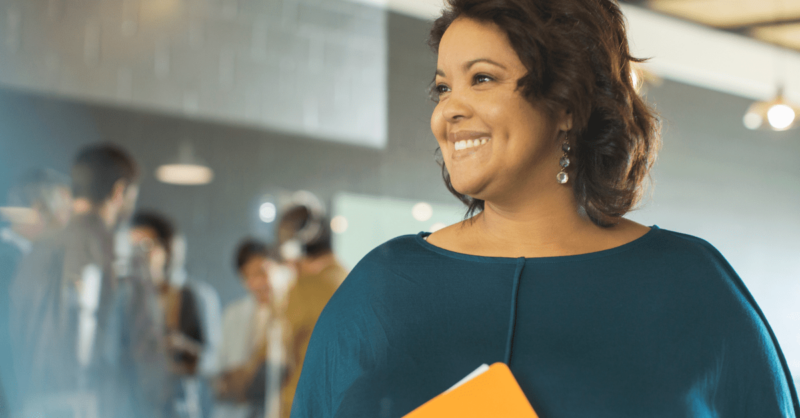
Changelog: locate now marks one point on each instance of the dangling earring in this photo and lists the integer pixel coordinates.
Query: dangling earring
(562, 177)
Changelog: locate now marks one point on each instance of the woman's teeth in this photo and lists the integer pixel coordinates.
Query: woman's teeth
(470, 143)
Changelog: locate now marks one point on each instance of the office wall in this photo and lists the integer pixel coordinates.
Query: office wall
(311, 67)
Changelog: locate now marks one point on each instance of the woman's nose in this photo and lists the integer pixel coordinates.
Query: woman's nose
(456, 108)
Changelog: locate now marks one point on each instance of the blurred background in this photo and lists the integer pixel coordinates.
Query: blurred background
(262, 98)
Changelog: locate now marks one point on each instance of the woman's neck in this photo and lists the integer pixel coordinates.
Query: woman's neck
(541, 226)
(547, 224)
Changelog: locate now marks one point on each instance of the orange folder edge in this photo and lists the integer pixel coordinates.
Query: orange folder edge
(493, 393)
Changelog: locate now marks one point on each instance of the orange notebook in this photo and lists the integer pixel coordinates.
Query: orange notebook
(492, 392)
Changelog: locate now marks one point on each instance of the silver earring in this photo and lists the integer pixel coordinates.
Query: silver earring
(562, 177)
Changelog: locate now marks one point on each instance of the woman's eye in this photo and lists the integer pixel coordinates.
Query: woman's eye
(482, 78)
(437, 91)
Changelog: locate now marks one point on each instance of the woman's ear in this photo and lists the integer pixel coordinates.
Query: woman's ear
(564, 120)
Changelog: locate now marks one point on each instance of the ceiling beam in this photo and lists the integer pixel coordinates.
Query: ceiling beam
(709, 57)
(745, 29)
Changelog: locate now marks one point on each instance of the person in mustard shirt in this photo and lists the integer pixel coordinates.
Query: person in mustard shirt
(305, 238)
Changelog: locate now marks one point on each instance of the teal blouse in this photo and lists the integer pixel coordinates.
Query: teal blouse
(659, 327)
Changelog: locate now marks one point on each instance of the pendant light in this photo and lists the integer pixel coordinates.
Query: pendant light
(187, 170)
(776, 114)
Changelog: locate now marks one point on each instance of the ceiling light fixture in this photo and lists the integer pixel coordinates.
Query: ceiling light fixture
(186, 171)
(776, 114)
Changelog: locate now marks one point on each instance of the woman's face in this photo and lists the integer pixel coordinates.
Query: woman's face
(494, 142)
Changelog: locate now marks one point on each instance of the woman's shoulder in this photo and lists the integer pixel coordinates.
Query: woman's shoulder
(654, 243)
(689, 248)
(395, 255)
(400, 266)
(695, 265)
(397, 248)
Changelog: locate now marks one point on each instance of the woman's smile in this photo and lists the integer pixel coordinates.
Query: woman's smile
(470, 143)
(466, 144)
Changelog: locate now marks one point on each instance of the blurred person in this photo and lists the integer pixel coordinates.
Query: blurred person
(63, 290)
(134, 347)
(39, 204)
(187, 325)
(546, 141)
(210, 310)
(250, 339)
(304, 235)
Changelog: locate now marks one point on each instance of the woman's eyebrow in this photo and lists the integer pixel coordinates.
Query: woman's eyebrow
(469, 64)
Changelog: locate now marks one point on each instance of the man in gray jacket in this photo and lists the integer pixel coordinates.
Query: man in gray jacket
(38, 205)
(65, 295)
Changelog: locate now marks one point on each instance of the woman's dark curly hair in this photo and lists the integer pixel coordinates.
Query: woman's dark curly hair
(577, 57)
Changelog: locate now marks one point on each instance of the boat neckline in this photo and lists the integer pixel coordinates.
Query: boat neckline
(420, 239)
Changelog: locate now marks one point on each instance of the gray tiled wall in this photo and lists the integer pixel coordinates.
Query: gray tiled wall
(312, 67)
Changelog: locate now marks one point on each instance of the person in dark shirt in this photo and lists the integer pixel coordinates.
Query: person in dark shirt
(185, 331)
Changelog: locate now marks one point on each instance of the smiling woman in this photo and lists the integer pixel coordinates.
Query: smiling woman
(545, 140)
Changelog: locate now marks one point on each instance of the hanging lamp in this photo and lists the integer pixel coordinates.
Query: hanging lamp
(776, 114)
(187, 170)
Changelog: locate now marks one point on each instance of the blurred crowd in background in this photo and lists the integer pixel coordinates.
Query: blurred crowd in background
(103, 320)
